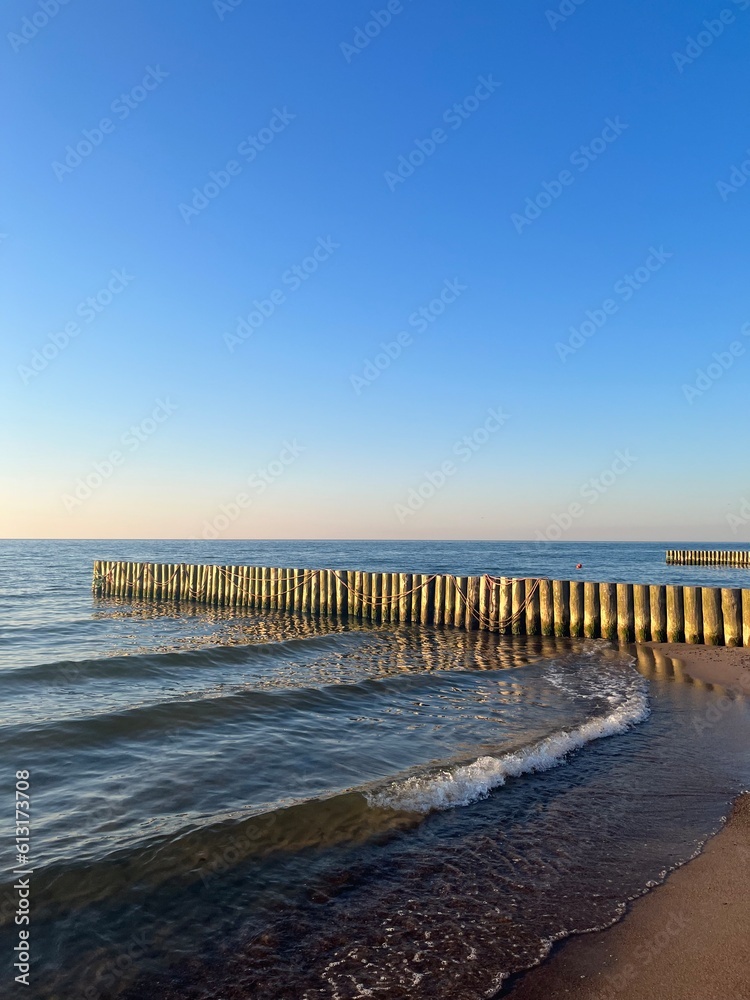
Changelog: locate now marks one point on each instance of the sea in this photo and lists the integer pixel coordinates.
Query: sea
(232, 803)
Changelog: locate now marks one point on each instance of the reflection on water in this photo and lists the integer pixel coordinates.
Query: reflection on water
(252, 804)
(261, 805)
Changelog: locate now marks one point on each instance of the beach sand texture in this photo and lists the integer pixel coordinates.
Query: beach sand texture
(689, 937)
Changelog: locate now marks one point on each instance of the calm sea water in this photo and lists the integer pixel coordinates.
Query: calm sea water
(231, 805)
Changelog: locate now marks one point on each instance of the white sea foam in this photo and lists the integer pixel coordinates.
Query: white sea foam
(467, 783)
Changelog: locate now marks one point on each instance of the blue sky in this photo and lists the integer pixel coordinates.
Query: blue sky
(600, 132)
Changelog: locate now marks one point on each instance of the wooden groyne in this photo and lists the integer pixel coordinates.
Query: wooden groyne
(507, 605)
(709, 557)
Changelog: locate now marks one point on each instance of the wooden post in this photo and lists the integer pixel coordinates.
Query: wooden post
(485, 590)
(332, 593)
(342, 597)
(533, 607)
(576, 608)
(315, 593)
(506, 605)
(393, 604)
(404, 597)
(495, 606)
(731, 610)
(642, 611)
(385, 597)
(561, 605)
(439, 599)
(625, 612)
(427, 611)
(518, 600)
(377, 597)
(546, 608)
(713, 624)
(658, 608)
(675, 614)
(592, 622)
(471, 620)
(608, 610)
(449, 614)
(460, 605)
(693, 613)
(322, 593)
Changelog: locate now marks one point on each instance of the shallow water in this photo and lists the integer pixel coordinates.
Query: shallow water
(255, 805)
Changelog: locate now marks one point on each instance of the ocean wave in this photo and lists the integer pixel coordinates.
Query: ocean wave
(467, 783)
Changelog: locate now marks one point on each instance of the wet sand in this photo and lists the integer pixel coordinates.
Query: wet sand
(688, 937)
(728, 667)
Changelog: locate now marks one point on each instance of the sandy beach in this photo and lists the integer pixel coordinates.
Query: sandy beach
(722, 665)
(688, 937)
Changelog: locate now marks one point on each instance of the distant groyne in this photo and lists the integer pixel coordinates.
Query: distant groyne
(709, 557)
(507, 605)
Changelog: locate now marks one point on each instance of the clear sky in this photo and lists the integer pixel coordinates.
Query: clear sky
(541, 210)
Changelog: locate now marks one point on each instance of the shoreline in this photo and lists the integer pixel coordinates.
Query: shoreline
(725, 666)
(687, 937)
